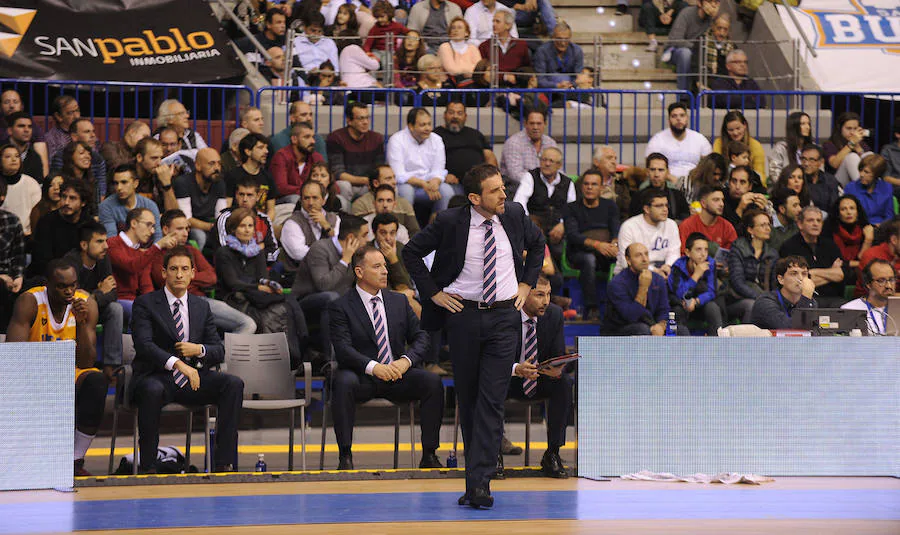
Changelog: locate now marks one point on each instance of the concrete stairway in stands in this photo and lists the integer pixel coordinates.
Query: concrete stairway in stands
(619, 47)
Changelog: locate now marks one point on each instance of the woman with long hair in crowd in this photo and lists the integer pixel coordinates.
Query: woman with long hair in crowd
(845, 148)
(792, 178)
(76, 159)
(850, 229)
(23, 192)
(345, 20)
(736, 128)
(797, 134)
(334, 201)
(751, 265)
(49, 197)
(406, 59)
(711, 170)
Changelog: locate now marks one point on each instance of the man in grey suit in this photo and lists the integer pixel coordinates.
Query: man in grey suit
(324, 273)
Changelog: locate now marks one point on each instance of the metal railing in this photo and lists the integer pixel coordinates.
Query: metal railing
(112, 105)
(877, 112)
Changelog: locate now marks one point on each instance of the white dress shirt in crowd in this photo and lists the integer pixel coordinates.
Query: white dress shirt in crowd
(470, 282)
(526, 189)
(314, 54)
(481, 22)
(294, 242)
(409, 158)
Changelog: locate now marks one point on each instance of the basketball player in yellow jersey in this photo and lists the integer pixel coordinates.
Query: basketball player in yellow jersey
(60, 311)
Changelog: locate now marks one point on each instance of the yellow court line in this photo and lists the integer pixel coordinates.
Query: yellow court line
(250, 449)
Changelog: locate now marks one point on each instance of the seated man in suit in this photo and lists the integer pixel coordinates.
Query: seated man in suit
(370, 330)
(62, 311)
(542, 338)
(177, 346)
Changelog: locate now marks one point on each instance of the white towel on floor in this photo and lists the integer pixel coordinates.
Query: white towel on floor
(728, 478)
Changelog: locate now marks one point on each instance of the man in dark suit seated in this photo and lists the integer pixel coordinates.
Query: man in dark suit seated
(177, 346)
(542, 338)
(370, 329)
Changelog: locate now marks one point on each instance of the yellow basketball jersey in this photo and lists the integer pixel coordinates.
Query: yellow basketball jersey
(45, 327)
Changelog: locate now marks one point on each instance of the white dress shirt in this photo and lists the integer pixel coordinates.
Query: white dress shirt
(481, 22)
(876, 317)
(294, 241)
(409, 158)
(525, 318)
(526, 189)
(366, 298)
(470, 282)
(185, 320)
(314, 54)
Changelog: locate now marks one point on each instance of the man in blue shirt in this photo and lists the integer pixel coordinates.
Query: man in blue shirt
(560, 59)
(637, 298)
(114, 209)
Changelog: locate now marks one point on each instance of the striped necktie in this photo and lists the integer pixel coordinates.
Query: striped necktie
(384, 354)
(489, 291)
(179, 321)
(530, 353)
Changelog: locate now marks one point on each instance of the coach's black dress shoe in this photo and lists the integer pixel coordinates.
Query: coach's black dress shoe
(430, 460)
(478, 498)
(345, 462)
(552, 466)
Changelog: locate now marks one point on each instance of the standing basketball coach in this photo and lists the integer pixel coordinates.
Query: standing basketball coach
(488, 257)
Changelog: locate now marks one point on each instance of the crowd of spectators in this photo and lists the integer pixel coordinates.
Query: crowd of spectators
(710, 233)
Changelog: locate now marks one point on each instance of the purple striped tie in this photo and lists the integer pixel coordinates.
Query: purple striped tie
(489, 292)
(530, 352)
(179, 322)
(384, 354)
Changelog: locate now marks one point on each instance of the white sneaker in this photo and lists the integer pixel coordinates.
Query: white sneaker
(666, 56)
(654, 44)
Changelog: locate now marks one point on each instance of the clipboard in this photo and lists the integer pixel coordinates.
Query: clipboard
(558, 361)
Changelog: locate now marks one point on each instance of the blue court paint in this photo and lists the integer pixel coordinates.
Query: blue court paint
(705, 504)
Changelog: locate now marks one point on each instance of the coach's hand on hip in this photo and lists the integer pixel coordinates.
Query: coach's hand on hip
(451, 301)
(524, 290)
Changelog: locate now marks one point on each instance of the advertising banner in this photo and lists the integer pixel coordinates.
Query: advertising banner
(857, 41)
(114, 40)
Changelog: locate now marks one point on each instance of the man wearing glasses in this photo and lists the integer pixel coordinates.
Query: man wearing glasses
(545, 192)
(737, 80)
(773, 310)
(823, 187)
(888, 250)
(130, 262)
(174, 115)
(880, 278)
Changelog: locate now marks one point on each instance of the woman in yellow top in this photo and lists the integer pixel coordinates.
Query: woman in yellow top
(60, 311)
(735, 127)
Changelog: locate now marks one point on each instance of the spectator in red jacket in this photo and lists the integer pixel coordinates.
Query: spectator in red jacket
(512, 54)
(709, 221)
(292, 164)
(131, 263)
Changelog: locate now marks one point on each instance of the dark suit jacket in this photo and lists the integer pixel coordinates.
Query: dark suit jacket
(448, 235)
(353, 335)
(550, 338)
(153, 330)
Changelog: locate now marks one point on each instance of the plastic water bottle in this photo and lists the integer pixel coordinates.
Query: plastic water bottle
(671, 326)
(261, 463)
(451, 460)
(212, 444)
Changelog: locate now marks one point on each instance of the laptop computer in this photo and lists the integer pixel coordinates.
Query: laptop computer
(893, 320)
(829, 321)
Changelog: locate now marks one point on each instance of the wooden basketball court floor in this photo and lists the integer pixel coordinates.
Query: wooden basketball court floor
(523, 505)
